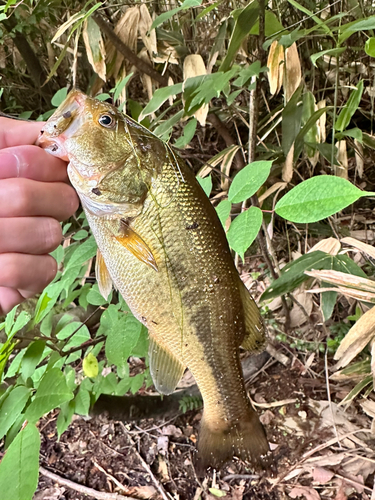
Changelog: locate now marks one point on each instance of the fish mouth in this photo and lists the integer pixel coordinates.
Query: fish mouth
(63, 124)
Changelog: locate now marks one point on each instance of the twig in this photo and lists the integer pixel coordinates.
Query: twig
(144, 464)
(240, 476)
(99, 495)
(281, 358)
(141, 65)
(112, 478)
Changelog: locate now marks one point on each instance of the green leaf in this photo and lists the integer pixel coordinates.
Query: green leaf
(206, 184)
(327, 303)
(292, 275)
(83, 253)
(21, 321)
(329, 52)
(90, 366)
(59, 97)
(120, 86)
(95, 298)
(246, 19)
(31, 358)
(318, 198)
(350, 108)
(247, 73)
(12, 407)
(187, 4)
(19, 469)
(9, 320)
(65, 417)
(82, 402)
(346, 30)
(164, 128)
(244, 229)
(121, 339)
(80, 235)
(315, 18)
(291, 123)
(189, 131)
(159, 98)
(249, 180)
(370, 47)
(52, 392)
(223, 210)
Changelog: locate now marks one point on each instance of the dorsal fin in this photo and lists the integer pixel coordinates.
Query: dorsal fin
(166, 370)
(135, 244)
(102, 275)
(255, 337)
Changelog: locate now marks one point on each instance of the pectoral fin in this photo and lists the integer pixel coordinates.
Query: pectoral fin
(102, 275)
(135, 244)
(255, 337)
(166, 370)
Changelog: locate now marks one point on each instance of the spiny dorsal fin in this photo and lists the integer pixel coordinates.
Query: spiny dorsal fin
(135, 244)
(166, 370)
(102, 275)
(255, 337)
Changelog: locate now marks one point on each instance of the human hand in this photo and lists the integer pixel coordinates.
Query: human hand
(34, 196)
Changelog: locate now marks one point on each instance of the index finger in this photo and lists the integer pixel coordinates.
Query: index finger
(17, 132)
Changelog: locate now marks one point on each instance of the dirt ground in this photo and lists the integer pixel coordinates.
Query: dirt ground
(321, 450)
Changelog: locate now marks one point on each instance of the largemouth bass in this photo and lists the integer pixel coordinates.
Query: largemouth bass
(162, 245)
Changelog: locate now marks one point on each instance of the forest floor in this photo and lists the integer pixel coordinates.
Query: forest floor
(322, 450)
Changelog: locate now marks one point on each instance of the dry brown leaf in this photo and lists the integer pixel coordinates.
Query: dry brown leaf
(321, 475)
(366, 235)
(143, 492)
(304, 491)
(292, 74)
(328, 245)
(95, 49)
(343, 279)
(358, 151)
(275, 63)
(356, 339)
(171, 98)
(342, 158)
(166, 54)
(163, 470)
(364, 247)
(287, 172)
(194, 66)
(297, 315)
(148, 37)
(278, 186)
(127, 30)
(171, 430)
(322, 122)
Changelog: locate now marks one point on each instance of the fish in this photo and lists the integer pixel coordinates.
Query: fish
(162, 246)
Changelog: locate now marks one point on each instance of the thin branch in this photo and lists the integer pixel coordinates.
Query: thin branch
(99, 495)
(141, 65)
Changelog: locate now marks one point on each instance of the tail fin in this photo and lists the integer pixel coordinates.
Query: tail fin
(220, 441)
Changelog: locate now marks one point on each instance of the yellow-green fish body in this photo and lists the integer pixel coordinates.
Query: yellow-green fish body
(161, 244)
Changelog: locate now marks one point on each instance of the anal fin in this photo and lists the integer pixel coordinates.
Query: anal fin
(135, 244)
(255, 337)
(166, 370)
(102, 275)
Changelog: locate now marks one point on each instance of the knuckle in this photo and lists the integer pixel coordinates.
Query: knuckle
(10, 270)
(21, 197)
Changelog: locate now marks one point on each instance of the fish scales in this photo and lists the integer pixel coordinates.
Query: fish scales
(176, 272)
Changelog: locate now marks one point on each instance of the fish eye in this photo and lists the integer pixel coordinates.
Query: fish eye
(107, 121)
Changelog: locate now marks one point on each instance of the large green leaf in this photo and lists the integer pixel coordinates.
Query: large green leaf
(244, 229)
(20, 466)
(121, 339)
(223, 210)
(346, 30)
(350, 108)
(187, 4)
(249, 180)
(31, 358)
(318, 198)
(12, 407)
(51, 393)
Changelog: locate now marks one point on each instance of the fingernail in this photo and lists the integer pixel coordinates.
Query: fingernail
(9, 165)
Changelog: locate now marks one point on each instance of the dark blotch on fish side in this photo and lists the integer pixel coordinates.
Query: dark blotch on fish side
(67, 114)
(96, 191)
(195, 225)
